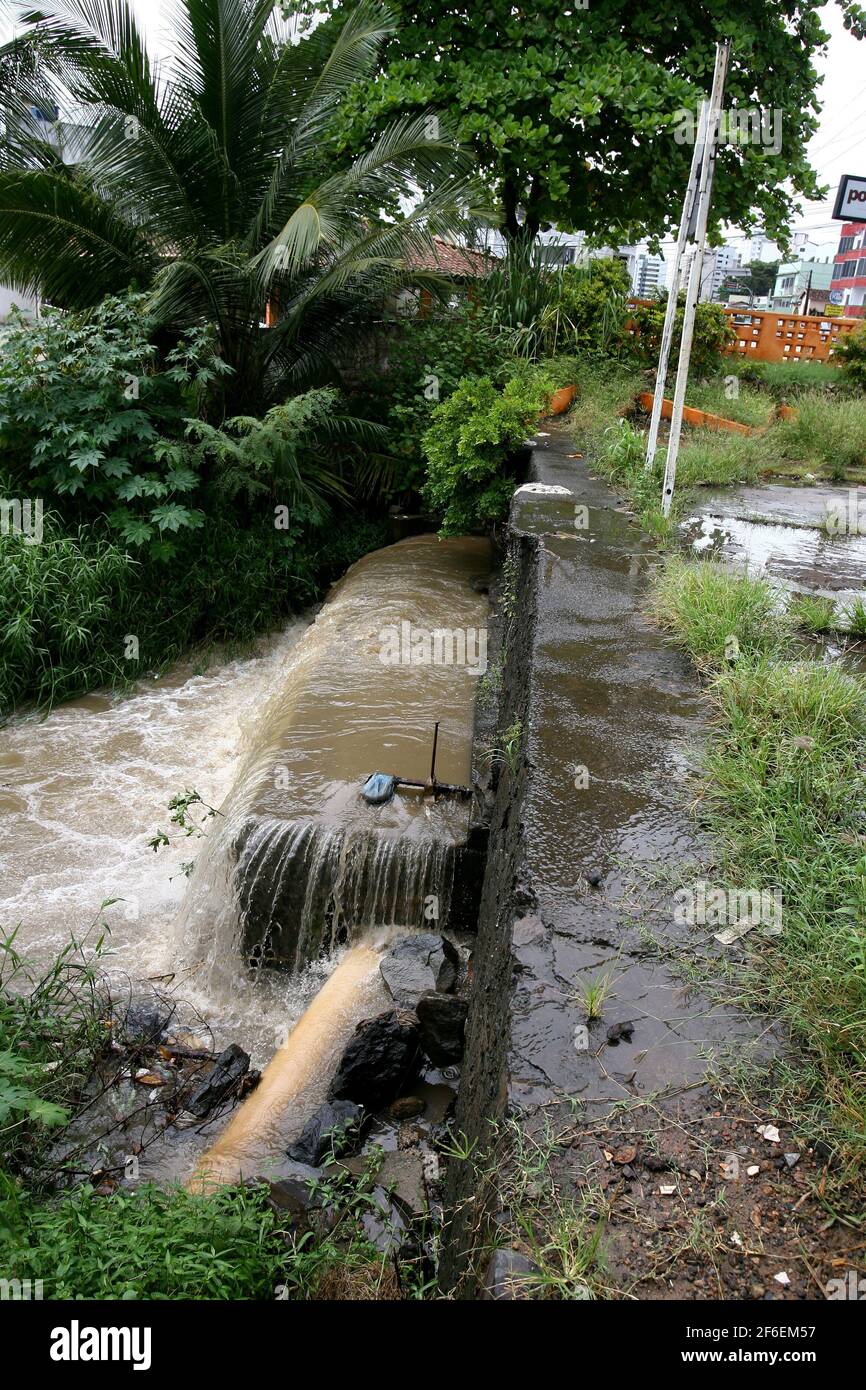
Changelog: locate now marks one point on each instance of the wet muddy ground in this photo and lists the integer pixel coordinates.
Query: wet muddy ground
(624, 1065)
(811, 538)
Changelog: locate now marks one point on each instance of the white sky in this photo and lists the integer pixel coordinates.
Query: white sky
(838, 147)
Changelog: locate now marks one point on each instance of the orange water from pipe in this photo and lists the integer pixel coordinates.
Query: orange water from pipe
(261, 1127)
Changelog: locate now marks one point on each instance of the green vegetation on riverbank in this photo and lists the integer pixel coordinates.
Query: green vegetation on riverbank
(783, 786)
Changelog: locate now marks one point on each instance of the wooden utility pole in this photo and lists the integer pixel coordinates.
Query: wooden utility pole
(696, 236)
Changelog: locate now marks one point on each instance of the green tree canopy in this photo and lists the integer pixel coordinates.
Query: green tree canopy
(212, 179)
(572, 110)
(761, 276)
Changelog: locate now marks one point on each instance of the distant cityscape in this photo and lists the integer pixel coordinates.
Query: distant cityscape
(826, 277)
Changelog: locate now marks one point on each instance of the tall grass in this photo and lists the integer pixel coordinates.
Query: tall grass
(749, 406)
(59, 601)
(69, 604)
(826, 431)
(784, 787)
(786, 380)
(716, 615)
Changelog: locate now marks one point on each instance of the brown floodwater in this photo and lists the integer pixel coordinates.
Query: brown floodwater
(300, 863)
(280, 739)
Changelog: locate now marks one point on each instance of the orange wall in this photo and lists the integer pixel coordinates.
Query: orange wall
(771, 336)
(768, 335)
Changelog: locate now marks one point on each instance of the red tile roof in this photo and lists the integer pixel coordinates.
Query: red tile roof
(456, 261)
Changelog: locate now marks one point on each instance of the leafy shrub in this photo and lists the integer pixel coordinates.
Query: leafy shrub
(423, 359)
(297, 454)
(145, 1243)
(713, 334)
(468, 446)
(87, 414)
(595, 303)
(851, 352)
(542, 311)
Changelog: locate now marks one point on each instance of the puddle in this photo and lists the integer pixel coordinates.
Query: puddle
(779, 532)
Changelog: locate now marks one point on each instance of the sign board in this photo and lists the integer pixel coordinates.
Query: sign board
(851, 199)
(837, 297)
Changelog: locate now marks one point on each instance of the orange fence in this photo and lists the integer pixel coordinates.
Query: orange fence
(771, 336)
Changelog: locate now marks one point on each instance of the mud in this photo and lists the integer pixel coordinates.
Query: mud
(583, 1025)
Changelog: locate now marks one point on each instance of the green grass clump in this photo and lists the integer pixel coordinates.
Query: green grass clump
(716, 615)
(604, 392)
(784, 792)
(855, 618)
(749, 406)
(145, 1243)
(813, 613)
(787, 380)
(827, 432)
(715, 458)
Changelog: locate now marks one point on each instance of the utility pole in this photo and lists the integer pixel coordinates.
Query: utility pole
(674, 288)
(697, 236)
(808, 294)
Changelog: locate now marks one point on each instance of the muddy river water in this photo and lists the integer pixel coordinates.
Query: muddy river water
(277, 740)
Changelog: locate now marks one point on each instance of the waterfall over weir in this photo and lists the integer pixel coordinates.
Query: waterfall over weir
(297, 862)
(303, 886)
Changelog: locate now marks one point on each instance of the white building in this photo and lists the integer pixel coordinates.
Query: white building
(719, 262)
(649, 276)
(761, 248)
(25, 302)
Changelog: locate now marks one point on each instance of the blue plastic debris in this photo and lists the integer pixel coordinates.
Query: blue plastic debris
(379, 788)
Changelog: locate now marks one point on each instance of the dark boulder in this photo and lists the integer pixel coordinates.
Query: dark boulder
(333, 1127)
(384, 1224)
(381, 1061)
(297, 1196)
(143, 1020)
(224, 1077)
(418, 963)
(442, 1021)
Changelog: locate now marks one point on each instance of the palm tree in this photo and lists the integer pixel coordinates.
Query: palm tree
(214, 180)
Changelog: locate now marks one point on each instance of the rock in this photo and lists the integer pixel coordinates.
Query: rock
(620, 1032)
(334, 1125)
(442, 1018)
(594, 877)
(292, 1192)
(382, 1059)
(417, 963)
(144, 1020)
(227, 1071)
(292, 1196)
(402, 1175)
(383, 1225)
(406, 1108)
(510, 1274)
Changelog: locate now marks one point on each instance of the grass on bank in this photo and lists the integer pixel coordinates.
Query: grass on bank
(783, 795)
(70, 605)
(826, 440)
(144, 1241)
